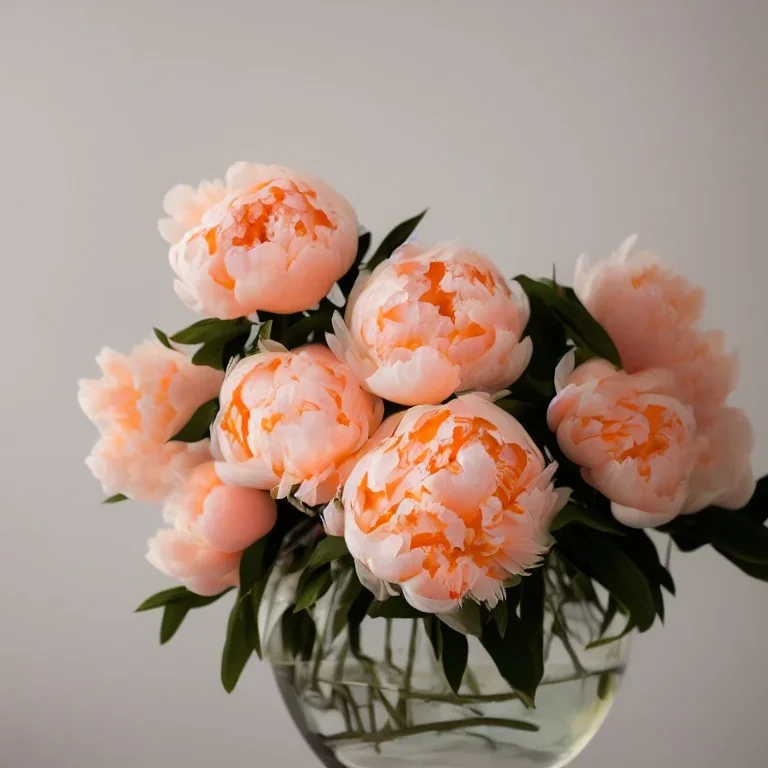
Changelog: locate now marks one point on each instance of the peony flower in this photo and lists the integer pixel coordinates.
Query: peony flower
(140, 402)
(191, 559)
(271, 239)
(428, 323)
(723, 472)
(292, 419)
(635, 442)
(451, 505)
(230, 518)
(652, 314)
(212, 524)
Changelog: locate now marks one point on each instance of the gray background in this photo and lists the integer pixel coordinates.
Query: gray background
(534, 131)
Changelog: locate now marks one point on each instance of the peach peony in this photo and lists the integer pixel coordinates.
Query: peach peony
(448, 507)
(652, 314)
(230, 518)
(428, 323)
(636, 443)
(271, 239)
(190, 558)
(140, 402)
(723, 472)
(212, 524)
(292, 419)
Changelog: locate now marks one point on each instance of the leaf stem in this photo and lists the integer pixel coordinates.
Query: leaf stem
(448, 725)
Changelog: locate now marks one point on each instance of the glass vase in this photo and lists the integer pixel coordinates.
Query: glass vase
(389, 704)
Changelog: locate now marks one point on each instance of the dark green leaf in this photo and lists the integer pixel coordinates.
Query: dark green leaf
(178, 594)
(211, 354)
(173, 614)
(160, 599)
(163, 338)
(348, 280)
(118, 497)
(211, 329)
(348, 594)
(318, 322)
(328, 549)
(751, 569)
(532, 618)
(500, 615)
(599, 557)
(237, 648)
(734, 534)
(355, 616)
(252, 566)
(306, 634)
(512, 656)
(756, 508)
(394, 608)
(574, 513)
(316, 586)
(198, 427)
(394, 240)
(455, 653)
(582, 328)
(432, 628)
(265, 331)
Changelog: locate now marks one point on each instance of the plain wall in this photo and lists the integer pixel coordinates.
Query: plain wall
(534, 131)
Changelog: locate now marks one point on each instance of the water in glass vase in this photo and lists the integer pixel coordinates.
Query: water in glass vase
(392, 707)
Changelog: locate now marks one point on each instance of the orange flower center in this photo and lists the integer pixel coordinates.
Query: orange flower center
(408, 504)
(276, 211)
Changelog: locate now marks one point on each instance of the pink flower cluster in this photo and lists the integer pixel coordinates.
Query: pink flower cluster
(657, 438)
(448, 499)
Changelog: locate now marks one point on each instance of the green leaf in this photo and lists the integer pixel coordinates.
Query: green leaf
(582, 328)
(163, 338)
(348, 279)
(574, 513)
(160, 599)
(512, 656)
(173, 614)
(756, 508)
(237, 648)
(432, 628)
(118, 497)
(318, 322)
(736, 535)
(265, 331)
(252, 565)
(532, 618)
(348, 594)
(500, 614)
(394, 240)
(454, 657)
(396, 607)
(599, 557)
(466, 619)
(178, 594)
(355, 616)
(316, 586)
(211, 329)
(198, 427)
(327, 550)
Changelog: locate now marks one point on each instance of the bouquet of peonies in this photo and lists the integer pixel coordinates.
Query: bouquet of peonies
(419, 436)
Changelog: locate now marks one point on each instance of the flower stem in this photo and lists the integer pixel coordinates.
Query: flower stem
(402, 702)
(448, 725)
